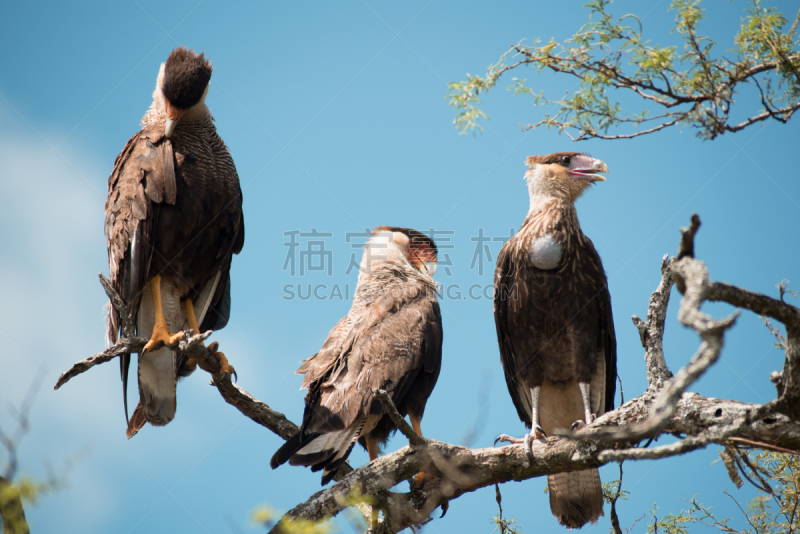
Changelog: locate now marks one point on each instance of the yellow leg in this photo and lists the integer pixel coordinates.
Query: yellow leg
(188, 310)
(420, 477)
(161, 335)
(225, 368)
(372, 450)
(415, 424)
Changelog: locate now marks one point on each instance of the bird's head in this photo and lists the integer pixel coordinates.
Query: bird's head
(182, 85)
(390, 242)
(563, 175)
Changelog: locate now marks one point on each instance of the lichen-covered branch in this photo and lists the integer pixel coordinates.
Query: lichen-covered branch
(693, 86)
(192, 346)
(788, 380)
(704, 420)
(651, 332)
(691, 277)
(665, 409)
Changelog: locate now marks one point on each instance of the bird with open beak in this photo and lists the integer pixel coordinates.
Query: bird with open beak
(554, 324)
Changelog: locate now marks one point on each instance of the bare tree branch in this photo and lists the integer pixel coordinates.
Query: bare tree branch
(613, 501)
(661, 410)
(398, 420)
(707, 420)
(664, 409)
(787, 381)
(686, 248)
(651, 332)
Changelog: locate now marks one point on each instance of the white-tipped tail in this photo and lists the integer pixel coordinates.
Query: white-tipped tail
(158, 378)
(157, 383)
(157, 374)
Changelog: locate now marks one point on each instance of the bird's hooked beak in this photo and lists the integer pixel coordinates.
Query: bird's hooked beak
(173, 116)
(429, 267)
(584, 167)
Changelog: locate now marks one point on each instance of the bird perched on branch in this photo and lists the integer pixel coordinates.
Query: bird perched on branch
(553, 316)
(173, 221)
(391, 340)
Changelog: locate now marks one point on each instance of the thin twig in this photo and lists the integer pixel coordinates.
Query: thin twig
(762, 445)
(614, 499)
(391, 410)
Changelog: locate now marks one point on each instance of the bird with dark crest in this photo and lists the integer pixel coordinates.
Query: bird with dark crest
(173, 221)
(391, 339)
(552, 311)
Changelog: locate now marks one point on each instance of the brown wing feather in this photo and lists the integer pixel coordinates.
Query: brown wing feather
(505, 289)
(143, 175)
(174, 207)
(608, 338)
(395, 345)
(320, 364)
(386, 350)
(553, 325)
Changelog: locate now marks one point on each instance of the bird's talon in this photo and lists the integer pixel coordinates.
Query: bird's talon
(538, 432)
(445, 506)
(529, 444)
(226, 370)
(507, 439)
(577, 425)
(161, 337)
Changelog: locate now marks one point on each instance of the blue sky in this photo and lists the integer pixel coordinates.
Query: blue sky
(336, 118)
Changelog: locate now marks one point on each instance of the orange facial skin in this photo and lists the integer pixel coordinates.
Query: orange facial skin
(173, 112)
(420, 252)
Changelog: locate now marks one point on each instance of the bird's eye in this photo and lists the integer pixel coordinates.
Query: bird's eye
(565, 160)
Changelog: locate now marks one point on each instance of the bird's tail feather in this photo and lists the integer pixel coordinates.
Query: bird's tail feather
(576, 498)
(347, 440)
(158, 369)
(136, 421)
(291, 446)
(319, 451)
(157, 384)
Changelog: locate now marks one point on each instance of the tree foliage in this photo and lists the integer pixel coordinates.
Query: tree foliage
(695, 86)
(16, 489)
(774, 511)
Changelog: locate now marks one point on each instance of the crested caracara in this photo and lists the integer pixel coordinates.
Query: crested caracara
(391, 339)
(554, 325)
(173, 221)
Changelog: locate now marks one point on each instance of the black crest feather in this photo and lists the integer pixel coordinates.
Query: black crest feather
(186, 76)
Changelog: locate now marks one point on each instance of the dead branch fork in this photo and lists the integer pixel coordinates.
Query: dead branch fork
(664, 408)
